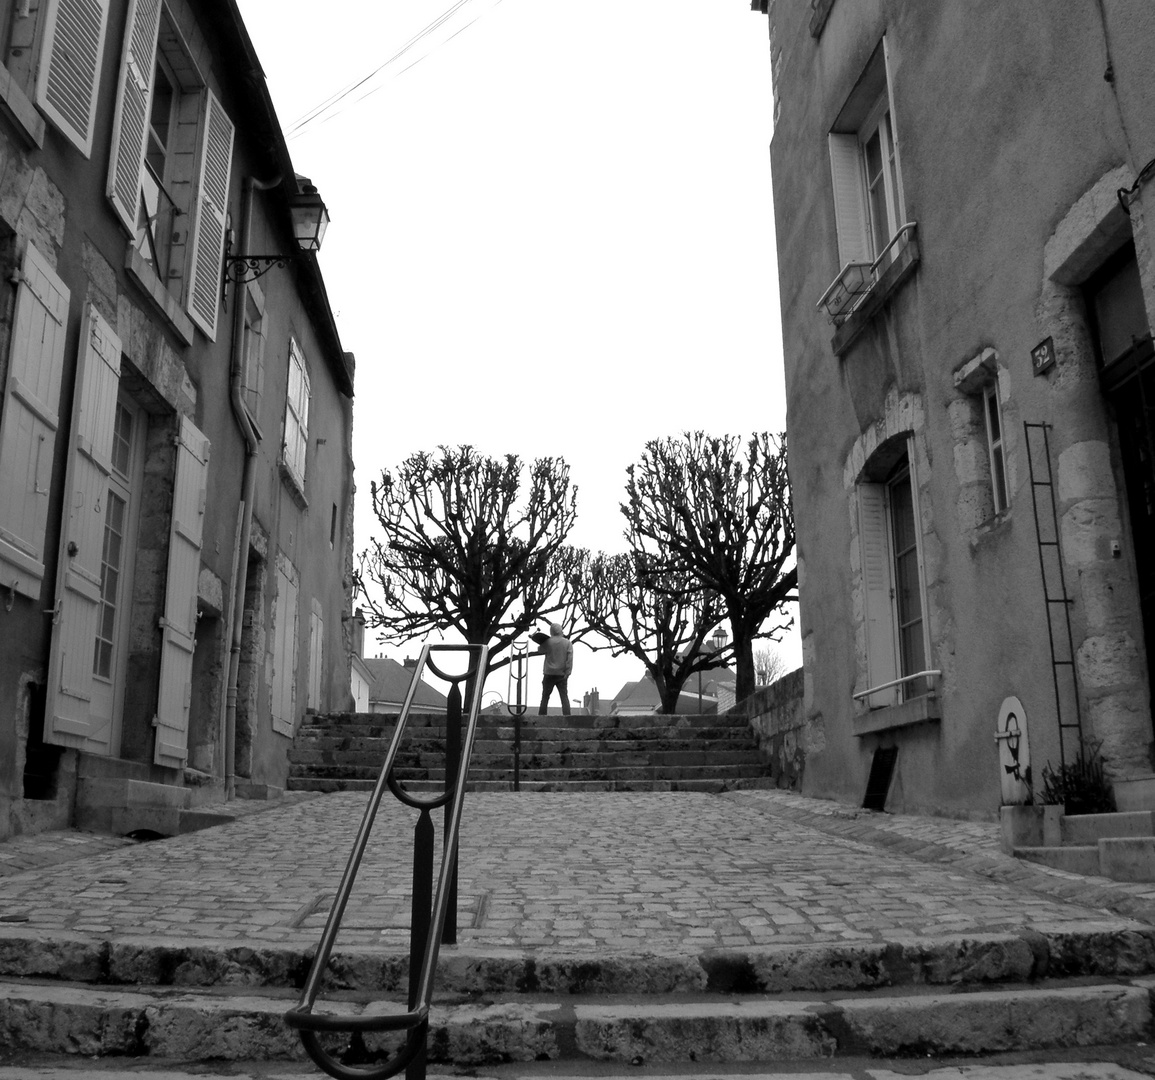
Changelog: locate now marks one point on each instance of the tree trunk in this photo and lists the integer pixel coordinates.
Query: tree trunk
(745, 680)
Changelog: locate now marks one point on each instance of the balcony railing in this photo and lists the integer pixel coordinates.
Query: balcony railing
(856, 280)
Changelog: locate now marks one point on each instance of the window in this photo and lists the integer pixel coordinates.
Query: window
(283, 691)
(866, 182)
(170, 166)
(253, 347)
(890, 544)
(994, 424)
(864, 167)
(158, 211)
(296, 417)
(982, 453)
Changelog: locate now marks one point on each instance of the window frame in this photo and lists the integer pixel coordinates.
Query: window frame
(996, 447)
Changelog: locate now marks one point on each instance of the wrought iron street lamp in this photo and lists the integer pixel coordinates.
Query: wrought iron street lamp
(310, 219)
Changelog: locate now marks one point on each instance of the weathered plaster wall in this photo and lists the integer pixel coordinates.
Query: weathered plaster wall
(1004, 123)
(786, 735)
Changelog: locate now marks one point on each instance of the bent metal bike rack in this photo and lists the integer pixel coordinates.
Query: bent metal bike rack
(434, 917)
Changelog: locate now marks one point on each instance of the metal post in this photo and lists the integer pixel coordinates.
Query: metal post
(518, 676)
(452, 766)
(420, 909)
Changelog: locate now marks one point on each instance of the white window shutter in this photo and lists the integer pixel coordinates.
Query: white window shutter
(69, 74)
(130, 123)
(316, 655)
(29, 422)
(180, 607)
(78, 596)
(297, 415)
(208, 242)
(850, 217)
(283, 696)
(878, 589)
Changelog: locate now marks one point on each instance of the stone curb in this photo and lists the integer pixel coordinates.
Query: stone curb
(189, 1026)
(1113, 949)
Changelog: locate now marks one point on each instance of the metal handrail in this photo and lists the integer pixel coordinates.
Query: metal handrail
(415, 1019)
(932, 672)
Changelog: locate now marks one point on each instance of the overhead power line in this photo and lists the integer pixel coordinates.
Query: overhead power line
(324, 111)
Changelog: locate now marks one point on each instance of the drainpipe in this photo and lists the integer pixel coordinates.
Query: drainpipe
(248, 485)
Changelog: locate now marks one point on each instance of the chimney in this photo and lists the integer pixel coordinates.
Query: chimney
(409, 663)
(359, 634)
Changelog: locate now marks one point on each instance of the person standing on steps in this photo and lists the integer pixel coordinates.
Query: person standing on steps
(558, 665)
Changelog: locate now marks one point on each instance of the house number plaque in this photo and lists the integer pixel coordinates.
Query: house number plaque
(1043, 356)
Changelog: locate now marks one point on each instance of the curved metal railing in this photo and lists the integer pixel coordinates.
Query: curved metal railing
(434, 915)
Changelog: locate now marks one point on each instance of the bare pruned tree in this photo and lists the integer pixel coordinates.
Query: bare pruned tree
(720, 511)
(662, 621)
(769, 665)
(467, 546)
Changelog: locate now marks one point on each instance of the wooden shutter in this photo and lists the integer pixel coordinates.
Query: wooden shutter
(849, 200)
(78, 584)
(878, 589)
(283, 691)
(69, 76)
(130, 123)
(180, 607)
(208, 243)
(29, 423)
(316, 655)
(297, 415)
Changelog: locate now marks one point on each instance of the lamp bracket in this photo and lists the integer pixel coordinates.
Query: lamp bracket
(242, 268)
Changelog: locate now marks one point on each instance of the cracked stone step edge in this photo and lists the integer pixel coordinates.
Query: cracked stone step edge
(66, 1019)
(1105, 949)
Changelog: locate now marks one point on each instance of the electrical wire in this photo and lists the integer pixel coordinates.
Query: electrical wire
(311, 114)
(324, 112)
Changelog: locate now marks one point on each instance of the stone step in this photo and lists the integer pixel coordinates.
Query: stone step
(310, 783)
(383, 723)
(1076, 1064)
(191, 1025)
(307, 743)
(551, 774)
(1090, 828)
(314, 759)
(1113, 951)
(1072, 858)
(1121, 858)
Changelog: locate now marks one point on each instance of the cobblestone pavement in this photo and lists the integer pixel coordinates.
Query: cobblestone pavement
(632, 872)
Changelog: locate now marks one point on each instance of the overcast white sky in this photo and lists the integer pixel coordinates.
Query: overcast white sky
(551, 232)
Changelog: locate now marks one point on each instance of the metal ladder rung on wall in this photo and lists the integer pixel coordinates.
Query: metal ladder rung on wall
(1059, 632)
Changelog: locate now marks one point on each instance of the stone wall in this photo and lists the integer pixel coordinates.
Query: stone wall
(781, 728)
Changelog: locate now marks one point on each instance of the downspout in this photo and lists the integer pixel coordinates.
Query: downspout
(248, 485)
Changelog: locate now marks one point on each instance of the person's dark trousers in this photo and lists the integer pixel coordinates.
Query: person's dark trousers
(548, 682)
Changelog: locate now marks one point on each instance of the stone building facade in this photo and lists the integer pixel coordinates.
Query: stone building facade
(964, 219)
(175, 444)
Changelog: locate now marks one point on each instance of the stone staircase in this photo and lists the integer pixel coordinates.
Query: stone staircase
(574, 753)
(1120, 845)
(728, 1011)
